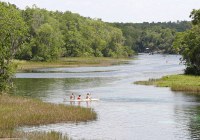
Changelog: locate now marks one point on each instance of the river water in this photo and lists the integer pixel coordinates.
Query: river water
(125, 111)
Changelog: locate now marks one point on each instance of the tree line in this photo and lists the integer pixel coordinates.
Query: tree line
(54, 34)
(63, 34)
(152, 37)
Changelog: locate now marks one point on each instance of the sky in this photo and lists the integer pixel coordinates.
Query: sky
(135, 11)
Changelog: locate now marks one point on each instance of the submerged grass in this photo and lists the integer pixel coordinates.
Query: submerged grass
(184, 83)
(17, 112)
(70, 62)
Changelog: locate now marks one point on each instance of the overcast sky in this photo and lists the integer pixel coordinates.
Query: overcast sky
(120, 10)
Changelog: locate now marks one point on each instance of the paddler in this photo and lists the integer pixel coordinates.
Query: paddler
(72, 97)
(79, 97)
(88, 96)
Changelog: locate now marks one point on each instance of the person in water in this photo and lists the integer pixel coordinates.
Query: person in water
(72, 97)
(88, 96)
(79, 97)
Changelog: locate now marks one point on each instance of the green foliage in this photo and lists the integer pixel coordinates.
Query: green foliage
(188, 45)
(195, 15)
(45, 39)
(55, 34)
(12, 32)
(157, 37)
(48, 45)
(6, 74)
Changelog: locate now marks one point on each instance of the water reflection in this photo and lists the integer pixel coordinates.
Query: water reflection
(194, 124)
(79, 103)
(54, 89)
(72, 103)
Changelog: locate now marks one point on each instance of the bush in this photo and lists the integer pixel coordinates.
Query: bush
(192, 70)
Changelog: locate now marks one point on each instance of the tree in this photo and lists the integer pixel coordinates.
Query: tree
(188, 45)
(44, 40)
(195, 15)
(12, 32)
(48, 43)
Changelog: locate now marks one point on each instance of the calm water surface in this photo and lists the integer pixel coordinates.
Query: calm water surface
(125, 111)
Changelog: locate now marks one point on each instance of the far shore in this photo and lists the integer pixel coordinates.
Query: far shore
(70, 62)
(184, 83)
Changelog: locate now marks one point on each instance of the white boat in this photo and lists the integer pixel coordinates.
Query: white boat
(81, 100)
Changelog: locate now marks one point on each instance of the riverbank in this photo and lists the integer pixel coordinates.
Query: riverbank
(18, 112)
(185, 83)
(70, 62)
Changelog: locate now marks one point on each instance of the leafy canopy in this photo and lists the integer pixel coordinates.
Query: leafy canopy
(12, 31)
(188, 45)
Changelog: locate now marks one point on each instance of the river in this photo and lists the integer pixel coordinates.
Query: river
(125, 111)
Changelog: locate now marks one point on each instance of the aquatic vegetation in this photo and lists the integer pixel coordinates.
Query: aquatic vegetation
(39, 135)
(184, 83)
(18, 112)
(70, 62)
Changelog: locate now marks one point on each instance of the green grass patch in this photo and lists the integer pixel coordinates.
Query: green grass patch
(70, 62)
(18, 112)
(184, 83)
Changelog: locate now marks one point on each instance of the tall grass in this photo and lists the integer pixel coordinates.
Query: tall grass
(17, 112)
(186, 83)
(70, 62)
(39, 136)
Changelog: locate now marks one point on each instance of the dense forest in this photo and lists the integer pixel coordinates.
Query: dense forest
(152, 37)
(53, 34)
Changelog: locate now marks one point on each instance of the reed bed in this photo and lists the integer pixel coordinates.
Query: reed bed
(186, 83)
(17, 112)
(17, 135)
(39, 136)
(70, 62)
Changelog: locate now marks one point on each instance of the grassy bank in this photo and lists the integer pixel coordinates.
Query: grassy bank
(70, 62)
(184, 83)
(17, 111)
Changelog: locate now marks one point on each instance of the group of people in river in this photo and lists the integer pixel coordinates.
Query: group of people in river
(73, 97)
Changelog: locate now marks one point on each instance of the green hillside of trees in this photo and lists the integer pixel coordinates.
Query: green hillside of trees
(152, 37)
(55, 34)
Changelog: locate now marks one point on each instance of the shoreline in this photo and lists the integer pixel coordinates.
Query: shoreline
(185, 83)
(28, 66)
